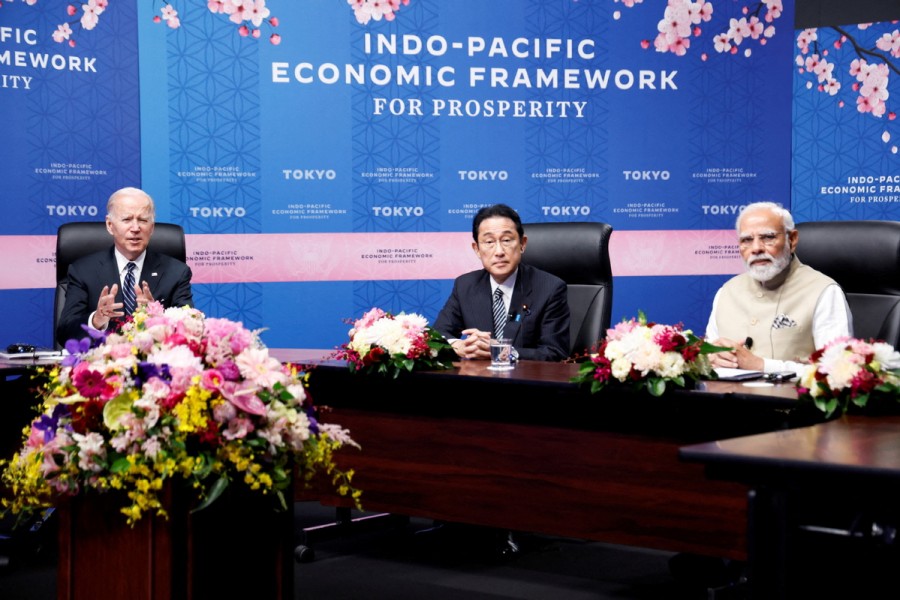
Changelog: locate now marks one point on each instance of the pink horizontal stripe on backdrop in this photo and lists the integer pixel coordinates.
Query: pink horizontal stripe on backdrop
(29, 261)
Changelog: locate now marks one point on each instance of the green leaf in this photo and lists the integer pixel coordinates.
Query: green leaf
(215, 491)
(656, 385)
(120, 465)
(707, 348)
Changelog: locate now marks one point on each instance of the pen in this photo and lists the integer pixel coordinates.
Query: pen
(748, 343)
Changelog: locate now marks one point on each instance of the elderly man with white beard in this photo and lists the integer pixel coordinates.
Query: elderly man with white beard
(779, 311)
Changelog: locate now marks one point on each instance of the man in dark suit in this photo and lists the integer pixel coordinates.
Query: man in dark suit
(92, 296)
(535, 309)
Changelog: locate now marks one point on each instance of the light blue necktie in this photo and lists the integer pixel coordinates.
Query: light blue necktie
(128, 290)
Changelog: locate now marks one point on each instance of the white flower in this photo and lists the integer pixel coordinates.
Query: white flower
(671, 364)
(620, 368)
(90, 445)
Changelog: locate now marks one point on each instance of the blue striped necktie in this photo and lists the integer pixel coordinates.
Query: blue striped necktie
(499, 314)
(128, 290)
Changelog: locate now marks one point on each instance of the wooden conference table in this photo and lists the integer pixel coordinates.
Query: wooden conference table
(527, 450)
(824, 507)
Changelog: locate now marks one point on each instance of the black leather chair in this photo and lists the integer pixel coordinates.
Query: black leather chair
(577, 253)
(77, 239)
(864, 258)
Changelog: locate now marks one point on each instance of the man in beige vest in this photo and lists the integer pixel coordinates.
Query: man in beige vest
(779, 311)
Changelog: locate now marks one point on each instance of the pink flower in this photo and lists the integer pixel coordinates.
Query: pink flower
(259, 368)
(676, 22)
(257, 12)
(237, 9)
(238, 428)
(88, 382)
(890, 42)
(216, 6)
(275, 39)
(721, 43)
(243, 396)
(212, 379)
(62, 33)
(89, 19)
(738, 30)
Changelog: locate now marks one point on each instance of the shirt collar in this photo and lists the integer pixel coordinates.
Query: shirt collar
(122, 262)
(507, 286)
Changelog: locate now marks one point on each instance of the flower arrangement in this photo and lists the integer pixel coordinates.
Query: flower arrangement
(649, 355)
(848, 372)
(390, 344)
(172, 395)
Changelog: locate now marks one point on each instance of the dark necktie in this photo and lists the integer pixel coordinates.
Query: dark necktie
(499, 314)
(128, 290)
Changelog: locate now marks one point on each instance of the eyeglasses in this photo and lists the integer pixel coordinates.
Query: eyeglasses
(767, 239)
(505, 243)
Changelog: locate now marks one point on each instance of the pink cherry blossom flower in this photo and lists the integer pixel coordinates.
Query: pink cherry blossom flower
(168, 11)
(275, 39)
(755, 27)
(890, 42)
(680, 46)
(676, 22)
(90, 18)
(257, 12)
(721, 43)
(71, 10)
(738, 30)
(62, 33)
(237, 10)
(216, 6)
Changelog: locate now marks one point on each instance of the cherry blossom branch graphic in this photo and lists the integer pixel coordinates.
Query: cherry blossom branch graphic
(871, 68)
(248, 15)
(375, 10)
(682, 21)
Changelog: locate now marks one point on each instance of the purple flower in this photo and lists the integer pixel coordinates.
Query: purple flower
(146, 370)
(229, 371)
(49, 423)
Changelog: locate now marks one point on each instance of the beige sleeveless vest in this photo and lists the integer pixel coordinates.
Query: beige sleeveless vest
(780, 320)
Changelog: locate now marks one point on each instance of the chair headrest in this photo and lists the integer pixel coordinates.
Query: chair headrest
(80, 238)
(862, 256)
(576, 252)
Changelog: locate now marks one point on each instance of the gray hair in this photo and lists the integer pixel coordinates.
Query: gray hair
(130, 191)
(774, 208)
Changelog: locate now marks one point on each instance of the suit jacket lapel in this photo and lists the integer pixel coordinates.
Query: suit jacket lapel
(108, 270)
(150, 272)
(484, 315)
(521, 298)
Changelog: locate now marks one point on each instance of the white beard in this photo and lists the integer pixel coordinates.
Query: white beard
(765, 272)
